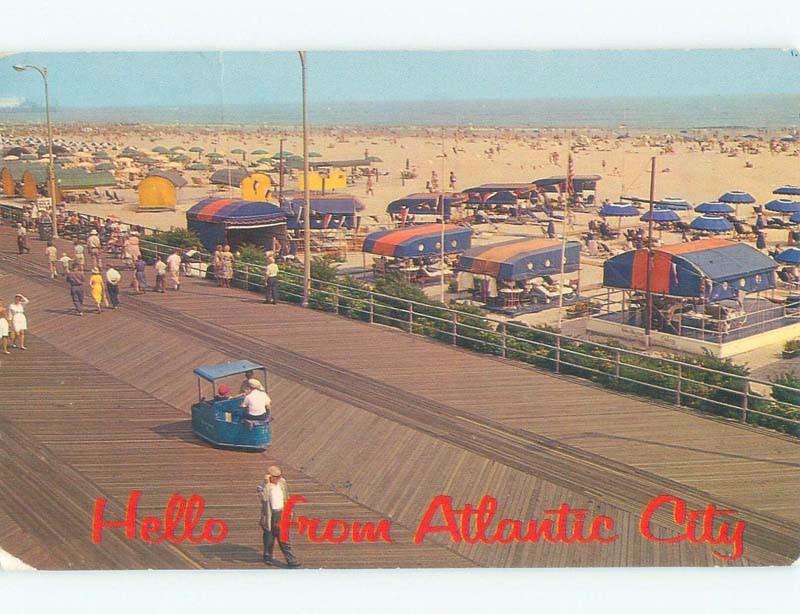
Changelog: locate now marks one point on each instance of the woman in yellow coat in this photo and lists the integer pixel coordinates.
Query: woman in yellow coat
(96, 284)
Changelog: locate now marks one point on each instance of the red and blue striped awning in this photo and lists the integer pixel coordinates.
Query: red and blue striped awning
(521, 259)
(416, 241)
(235, 211)
(679, 270)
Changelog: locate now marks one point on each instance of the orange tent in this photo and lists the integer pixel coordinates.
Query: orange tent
(157, 193)
(30, 190)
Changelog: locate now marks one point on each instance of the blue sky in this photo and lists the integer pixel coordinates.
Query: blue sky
(184, 78)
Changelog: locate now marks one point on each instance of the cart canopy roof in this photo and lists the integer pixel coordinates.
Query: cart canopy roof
(226, 369)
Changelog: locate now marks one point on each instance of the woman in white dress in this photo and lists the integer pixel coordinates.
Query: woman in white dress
(19, 323)
(4, 328)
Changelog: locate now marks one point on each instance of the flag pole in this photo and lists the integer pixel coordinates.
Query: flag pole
(569, 182)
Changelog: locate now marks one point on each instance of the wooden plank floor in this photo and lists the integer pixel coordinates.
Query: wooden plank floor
(367, 456)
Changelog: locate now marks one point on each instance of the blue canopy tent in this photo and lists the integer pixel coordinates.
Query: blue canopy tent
(417, 241)
(235, 221)
(714, 208)
(679, 270)
(619, 210)
(521, 259)
(709, 223)
(425, 203)
(328, 211)
(787, 190)
(783, 206)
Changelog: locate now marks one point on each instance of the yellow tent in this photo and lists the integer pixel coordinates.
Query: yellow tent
(256, 187)
(336, 179)
(157, 193)
(30, 191)
(7, 180)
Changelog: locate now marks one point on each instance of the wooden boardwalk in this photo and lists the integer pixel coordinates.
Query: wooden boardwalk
(368, 425)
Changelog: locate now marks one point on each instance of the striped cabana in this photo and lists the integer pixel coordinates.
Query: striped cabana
(521, 259)
(328, 211)
(416, 241)
(425, 203)
(678, 270)
(234, 221)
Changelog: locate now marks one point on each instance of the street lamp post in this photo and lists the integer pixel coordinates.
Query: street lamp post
(51, 172)
(306, 199)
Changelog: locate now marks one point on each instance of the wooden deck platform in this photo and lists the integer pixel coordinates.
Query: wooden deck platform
(370, 422)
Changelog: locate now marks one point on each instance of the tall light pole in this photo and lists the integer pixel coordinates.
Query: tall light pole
(306, 199)
(51, 171)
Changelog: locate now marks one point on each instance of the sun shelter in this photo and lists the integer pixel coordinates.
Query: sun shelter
(418, 241)
(516, 272)
(159, 191)
(480, 194)
(328, 211)
(231, 177)
(424, 204)
(710, 269)
(235, 221)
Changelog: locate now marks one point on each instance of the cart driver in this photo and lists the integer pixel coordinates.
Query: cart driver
(256, 402)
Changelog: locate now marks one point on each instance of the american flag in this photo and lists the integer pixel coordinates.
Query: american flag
(570, 177)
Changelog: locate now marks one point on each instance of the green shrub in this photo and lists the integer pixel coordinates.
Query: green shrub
(790, 380)
(178, 237)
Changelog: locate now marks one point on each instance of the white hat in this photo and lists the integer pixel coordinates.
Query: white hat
(255, 384)
(93, 232)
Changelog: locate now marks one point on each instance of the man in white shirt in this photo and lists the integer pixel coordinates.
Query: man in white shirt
(93, 243)
(271, 281)
(256, 402)
(161, 274)
(174, 269)
(273, 494)
(113, 278)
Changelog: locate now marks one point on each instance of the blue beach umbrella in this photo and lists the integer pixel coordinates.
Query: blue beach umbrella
(795, 218)
(618, 210)
(783, 205)
(714, 208)
(661, 215)
(709, 223)
(789, 256)
(737, 197)
(787, 190)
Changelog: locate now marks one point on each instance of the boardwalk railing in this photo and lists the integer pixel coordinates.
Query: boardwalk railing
(686, 382)
(727, 392)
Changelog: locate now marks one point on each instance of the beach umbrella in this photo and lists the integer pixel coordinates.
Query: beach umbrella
(259, 152)
(619, 210)
(672, 202)
(783, 205)
(789, 256)
(661, 215)
(286, 154)
(238, 150)
(196, 149)
(214, 154)
(788, 138)
(711, 223)
(314, 154)
(787, 190)
(160, 149)
(736, 197)
(714, 208)
(198, 166)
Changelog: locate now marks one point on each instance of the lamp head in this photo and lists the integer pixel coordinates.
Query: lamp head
(19, 67)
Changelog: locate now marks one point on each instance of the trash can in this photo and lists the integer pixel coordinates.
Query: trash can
(45, 230)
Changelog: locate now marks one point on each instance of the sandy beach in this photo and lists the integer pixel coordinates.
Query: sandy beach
(726, 162)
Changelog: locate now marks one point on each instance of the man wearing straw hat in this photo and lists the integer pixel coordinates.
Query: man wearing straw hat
(93, 243)
(273, 494)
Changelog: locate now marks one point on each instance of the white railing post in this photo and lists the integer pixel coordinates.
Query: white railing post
(371, 308)
(745, 402)
(678, 385)
(616, 367)
(558, 353)
(504, 331)
(410, 317)
(455, 328)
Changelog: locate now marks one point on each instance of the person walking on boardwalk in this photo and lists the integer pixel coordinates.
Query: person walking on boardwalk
(93, 243)
(97, 286)
(161, 274)
(271, 281)
(226, 270)
(19, 323)
(113, 277)
(80, 254)
(218, 264)
(139, 282)
(51, 251)
(75, 280)
(274, 493)
(4, 328)
(174, 269)
(22, 239)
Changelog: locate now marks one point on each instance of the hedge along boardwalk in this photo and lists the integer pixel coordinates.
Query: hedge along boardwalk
(328, 451)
